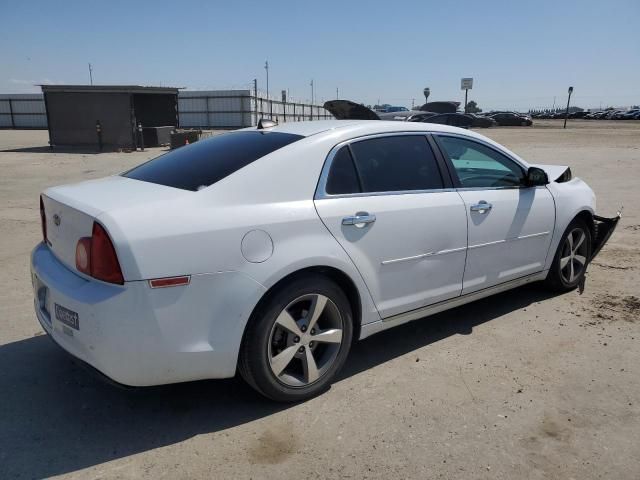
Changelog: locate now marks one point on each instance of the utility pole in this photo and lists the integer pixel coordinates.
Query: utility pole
(312, 91)
(337, 97)
(266, 67)
(90, 74)
(255, 97)
(566, 112)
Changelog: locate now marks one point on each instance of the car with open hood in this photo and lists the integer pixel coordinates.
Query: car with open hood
(269, 250)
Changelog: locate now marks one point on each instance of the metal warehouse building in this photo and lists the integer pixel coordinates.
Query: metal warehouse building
(196, 109)
(106, 115)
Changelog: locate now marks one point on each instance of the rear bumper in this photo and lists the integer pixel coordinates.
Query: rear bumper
(139, 336)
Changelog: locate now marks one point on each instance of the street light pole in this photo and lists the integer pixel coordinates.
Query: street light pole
(312, 91)
(566, 113)
(90, 74)
(266, 67)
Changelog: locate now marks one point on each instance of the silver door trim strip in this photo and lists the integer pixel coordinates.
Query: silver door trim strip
(521, 237)
(479, 245)
(406, 259)
(533, 235)
(422, 255)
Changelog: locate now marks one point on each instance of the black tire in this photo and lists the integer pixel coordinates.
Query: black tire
(557, 278)
(256, 348)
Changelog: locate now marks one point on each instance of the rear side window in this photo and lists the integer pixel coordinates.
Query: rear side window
(203, 163)
(342, 178)
(396, 163)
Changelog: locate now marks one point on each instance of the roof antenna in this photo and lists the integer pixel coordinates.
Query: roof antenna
(264, 123)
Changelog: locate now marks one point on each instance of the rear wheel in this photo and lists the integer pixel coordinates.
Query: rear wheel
(570, 262)
(297, 340)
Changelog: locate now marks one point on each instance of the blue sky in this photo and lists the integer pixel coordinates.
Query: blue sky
(521, 54)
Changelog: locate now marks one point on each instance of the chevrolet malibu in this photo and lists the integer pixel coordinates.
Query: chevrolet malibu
(269, 250)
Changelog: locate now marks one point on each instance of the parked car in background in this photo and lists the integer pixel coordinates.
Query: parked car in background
(454, 119)
(481, 121)
(406, 116)
(269, 250)
(392, 109)
(629, 114)
(511, 119)
(348, 110)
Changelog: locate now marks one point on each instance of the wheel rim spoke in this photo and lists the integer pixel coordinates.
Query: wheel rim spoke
(310, 367)
(570, 240)
(572, 273)
(580, 259)
(286, 321)
(564, 261)
(317, 307)
(329, 336)
(280, 361)
(580, 240)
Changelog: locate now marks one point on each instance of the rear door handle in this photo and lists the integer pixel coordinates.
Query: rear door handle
(481, 207)
(360, 219)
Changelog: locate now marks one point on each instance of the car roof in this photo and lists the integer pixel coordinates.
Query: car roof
(359, 127)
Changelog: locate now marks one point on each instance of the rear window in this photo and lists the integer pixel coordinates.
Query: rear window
(203, 163)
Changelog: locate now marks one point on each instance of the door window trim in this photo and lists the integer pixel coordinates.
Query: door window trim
(454, 174)
(321, 188)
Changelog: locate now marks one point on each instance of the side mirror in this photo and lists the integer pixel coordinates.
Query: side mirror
(535, 177)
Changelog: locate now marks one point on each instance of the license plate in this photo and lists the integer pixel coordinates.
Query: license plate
(68, 317)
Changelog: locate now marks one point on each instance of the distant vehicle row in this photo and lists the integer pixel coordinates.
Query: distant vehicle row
(633, 114)
(348, 110)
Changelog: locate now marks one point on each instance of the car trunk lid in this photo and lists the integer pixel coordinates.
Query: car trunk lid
(70, 210)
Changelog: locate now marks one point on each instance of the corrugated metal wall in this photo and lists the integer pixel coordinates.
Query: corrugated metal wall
(22, 111)
(239, 108)
(196, 108)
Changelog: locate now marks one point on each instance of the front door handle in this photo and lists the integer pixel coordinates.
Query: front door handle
(481, 207)
(360, 219)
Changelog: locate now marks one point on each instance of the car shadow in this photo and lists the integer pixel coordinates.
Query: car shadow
(56, 418)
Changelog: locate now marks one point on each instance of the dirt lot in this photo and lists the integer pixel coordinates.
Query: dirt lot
(522, 385)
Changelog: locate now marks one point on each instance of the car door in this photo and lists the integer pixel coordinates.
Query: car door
(385, 201)
(510, 225)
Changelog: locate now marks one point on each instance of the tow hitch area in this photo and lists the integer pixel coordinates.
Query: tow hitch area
(604, 228)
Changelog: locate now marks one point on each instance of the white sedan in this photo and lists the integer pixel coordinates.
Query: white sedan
(269, 250)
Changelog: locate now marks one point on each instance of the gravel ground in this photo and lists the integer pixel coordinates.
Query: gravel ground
(521, 385)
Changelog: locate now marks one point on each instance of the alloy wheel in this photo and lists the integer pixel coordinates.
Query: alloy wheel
(573, 259)
(305, 340)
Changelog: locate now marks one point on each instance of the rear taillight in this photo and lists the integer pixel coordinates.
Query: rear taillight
(96, 256)
(83, 255)
(43, 221)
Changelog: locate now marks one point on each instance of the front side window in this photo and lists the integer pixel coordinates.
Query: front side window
(203, 163)
(480, 166)
(396, 163)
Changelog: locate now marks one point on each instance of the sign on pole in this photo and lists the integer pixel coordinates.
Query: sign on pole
(466, 84)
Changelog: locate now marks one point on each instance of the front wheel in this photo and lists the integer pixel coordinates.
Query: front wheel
(570, 262)
(298, 340)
